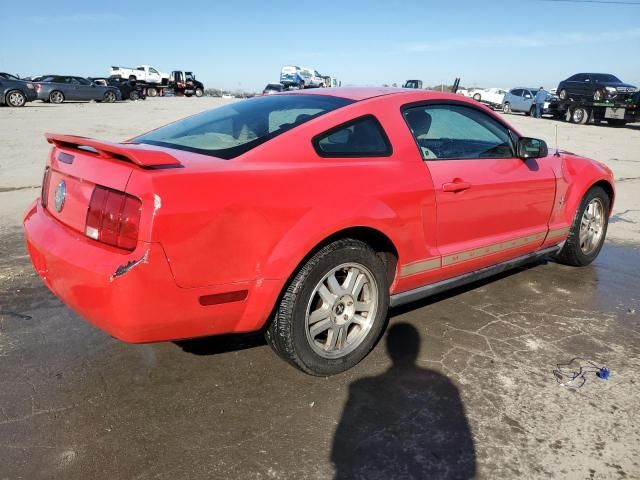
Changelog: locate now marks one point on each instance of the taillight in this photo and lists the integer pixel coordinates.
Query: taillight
(44, 192)
(113, 218)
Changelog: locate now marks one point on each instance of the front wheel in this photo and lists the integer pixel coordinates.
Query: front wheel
(109, 97)
(588, 231)
(199, 92)
(334, 309)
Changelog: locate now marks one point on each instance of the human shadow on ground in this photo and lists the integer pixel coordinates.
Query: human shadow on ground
(408, 422)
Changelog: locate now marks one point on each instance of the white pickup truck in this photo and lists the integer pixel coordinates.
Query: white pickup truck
(143, 73)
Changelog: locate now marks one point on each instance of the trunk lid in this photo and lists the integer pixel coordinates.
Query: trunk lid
(78, 164)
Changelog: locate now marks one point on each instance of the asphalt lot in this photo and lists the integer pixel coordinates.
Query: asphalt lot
(460, 386)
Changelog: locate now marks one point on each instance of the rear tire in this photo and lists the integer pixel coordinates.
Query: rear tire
(56, 96)
(134, 95)
(506, 108)
(587, 235)
(152, 92)
(346, 281)
(199, 92)
(15, 98)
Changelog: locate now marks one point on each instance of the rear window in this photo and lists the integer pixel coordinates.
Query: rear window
(605, 77)
(234, 129)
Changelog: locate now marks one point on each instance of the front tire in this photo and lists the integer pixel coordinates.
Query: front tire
(134, 95)
(588, 231)
(199, 92)
(15, 98)
(333, 310)
(109, 97)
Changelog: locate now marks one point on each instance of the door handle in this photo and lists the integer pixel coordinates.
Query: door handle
(455, 186)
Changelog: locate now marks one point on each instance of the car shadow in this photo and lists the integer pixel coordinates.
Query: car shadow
(409, 422)
(222, 343)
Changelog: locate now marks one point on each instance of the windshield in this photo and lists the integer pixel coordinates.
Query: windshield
(234, 129)
(8, 76)
(605, 77)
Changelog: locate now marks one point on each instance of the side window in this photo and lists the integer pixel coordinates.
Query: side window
(152, 70)
(574, 78)
(362, 137)
(448, 132)
(517, 92)
(83, 81)
(527, 94)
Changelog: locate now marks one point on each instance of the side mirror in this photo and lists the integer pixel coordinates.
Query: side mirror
(532, 148)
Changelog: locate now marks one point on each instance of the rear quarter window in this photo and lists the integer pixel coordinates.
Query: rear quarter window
(361, 137)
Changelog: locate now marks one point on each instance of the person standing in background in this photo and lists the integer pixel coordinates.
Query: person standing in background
(539, 100)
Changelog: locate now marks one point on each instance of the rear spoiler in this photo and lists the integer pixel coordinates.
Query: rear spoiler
(140, 155)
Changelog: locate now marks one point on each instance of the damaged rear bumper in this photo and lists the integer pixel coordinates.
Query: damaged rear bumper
(133, 296)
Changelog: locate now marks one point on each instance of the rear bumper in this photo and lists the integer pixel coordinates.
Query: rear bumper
(142, 303)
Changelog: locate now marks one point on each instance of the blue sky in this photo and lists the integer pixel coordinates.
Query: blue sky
(243, 44)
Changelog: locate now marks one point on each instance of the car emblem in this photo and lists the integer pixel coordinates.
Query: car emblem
(60, 195)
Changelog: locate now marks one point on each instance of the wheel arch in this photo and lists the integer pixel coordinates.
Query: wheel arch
(608, 188)
(374, 237)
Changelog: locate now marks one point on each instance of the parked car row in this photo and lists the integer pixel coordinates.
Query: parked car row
(125, 85)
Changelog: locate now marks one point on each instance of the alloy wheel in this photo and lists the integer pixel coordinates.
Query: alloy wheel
(16, 99)
(592, 226)
(341, 310)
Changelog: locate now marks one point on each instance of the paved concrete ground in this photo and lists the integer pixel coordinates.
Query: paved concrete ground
(459, 386)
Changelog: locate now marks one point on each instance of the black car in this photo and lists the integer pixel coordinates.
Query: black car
(15, 92)
(273, 88)
(128, 88)
(596, 86)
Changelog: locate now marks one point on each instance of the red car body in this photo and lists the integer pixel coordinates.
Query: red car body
(218, 240)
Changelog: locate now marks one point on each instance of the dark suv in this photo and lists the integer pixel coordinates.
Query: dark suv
(596, 86)
(15, 92)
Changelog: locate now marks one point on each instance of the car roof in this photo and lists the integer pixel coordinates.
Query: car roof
(356, 93)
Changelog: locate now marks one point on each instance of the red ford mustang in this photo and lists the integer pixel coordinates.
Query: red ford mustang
(305, 214)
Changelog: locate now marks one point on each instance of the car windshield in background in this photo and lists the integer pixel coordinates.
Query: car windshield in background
(234, 129)
(604, 77)
(8, 76)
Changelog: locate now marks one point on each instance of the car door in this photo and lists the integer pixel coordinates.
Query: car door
(516, 100)
(70, 88)
(85, 90)
(490, 204)
(527, 99)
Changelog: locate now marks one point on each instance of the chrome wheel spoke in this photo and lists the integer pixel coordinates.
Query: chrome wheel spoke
(320, 327)
(357, 288)
(334, 285)
(327, 297)
(319, 314)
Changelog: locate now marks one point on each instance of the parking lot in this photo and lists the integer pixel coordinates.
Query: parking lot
(470, 369)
